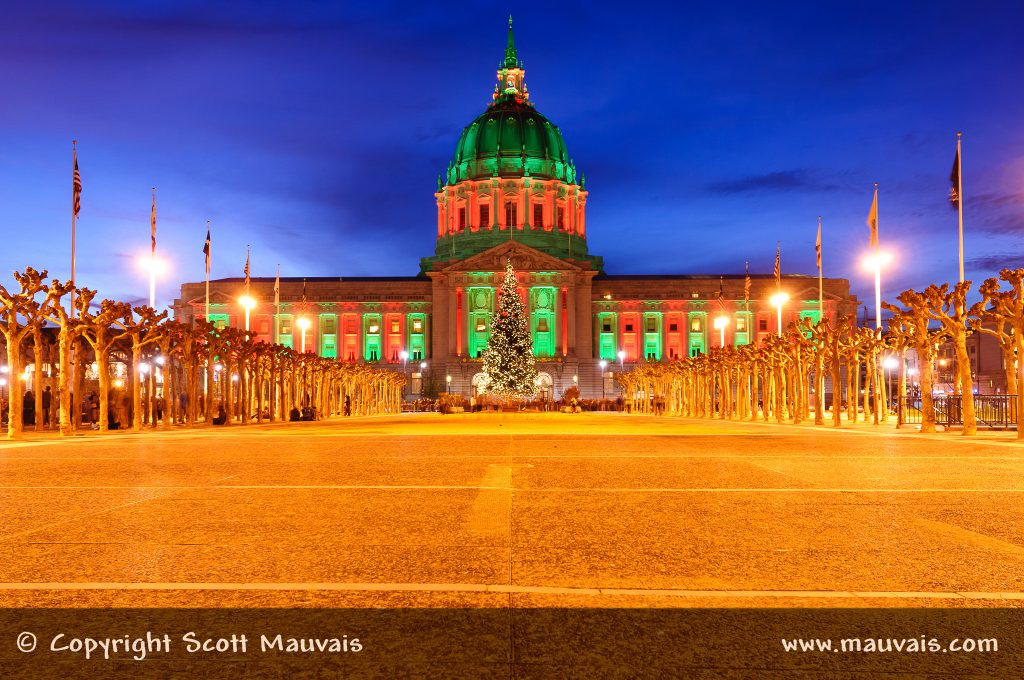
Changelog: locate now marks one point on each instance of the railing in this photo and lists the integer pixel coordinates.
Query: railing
(994, 411)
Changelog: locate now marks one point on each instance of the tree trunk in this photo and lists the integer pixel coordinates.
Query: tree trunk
(963, 370)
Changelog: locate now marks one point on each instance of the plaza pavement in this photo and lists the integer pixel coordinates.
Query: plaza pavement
(520, 510)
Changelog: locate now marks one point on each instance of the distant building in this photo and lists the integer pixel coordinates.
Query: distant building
(512, 191)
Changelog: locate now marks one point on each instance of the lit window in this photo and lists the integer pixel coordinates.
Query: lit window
(741, 324)
(542, 325)
(394, 325)
(652, 324)
(481, 325)
(327, 325)
(695, 325)
(417, 325)
(606, 325)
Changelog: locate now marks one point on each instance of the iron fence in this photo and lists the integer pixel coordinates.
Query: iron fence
(994, 411)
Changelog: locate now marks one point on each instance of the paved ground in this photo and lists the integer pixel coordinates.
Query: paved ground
(522, 510)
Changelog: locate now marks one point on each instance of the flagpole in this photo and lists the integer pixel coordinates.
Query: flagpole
(209, 251)
(821, 299)
(277, 302)
(878, 271)
(152, 255)
(960, 201)
(74, 157)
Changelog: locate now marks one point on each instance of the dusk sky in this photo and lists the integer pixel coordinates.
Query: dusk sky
(315, 132)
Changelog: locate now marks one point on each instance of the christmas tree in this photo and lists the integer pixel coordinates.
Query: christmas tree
(508, 359)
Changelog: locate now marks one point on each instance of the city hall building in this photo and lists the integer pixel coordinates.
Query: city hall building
(511, 191)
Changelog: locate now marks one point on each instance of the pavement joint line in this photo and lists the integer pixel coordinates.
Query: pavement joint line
(411, 487)
(517, 589)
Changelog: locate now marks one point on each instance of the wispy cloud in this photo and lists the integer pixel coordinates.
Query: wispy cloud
(782, 180)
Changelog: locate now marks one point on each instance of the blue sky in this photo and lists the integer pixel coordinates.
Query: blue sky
(315, 132)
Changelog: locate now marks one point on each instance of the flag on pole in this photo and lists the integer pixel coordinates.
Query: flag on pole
(817, 245)
(247, 267)
(872, 221)
(303, 291)
(76, 186)
(277, 287)
(954, 179)
(778, 265)
(746, 282)
(721, 294)
(152, 226)
(206, 247)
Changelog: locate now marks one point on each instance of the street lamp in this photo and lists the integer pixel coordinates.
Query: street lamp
(423, 365)
(778, 300)
(622, 358)
(888, 364)
(151, 264)
(448, 380)
(303, 323)
(404, 356)
(603, 364)
(874, 261)
(247, 303)
(720, 324)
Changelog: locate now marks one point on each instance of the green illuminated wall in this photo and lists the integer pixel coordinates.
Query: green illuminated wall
(417, 342)
(542, 320)
(371, 339)
(743, 336)
(480, 307)
(651, 325)
(284, 330)
(220, 320)
(328, 335)
(697, 332)
(607, 332)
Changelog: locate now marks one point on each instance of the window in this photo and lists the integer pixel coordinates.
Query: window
(673, 327)
(462, 218)
(394, 325)
(762, 324)
(417, 325)
(695, 325)
(417, 355)
(511, 216)
(285, 326)
(560, 217)
(373, 355)
(741, 324)
(606, 325)
(485, 215)
(538, 215)
(327, 325)
(652, 324)
(629, 328)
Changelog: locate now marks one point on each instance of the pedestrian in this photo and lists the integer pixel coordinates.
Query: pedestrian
(28, 408)
(348, 405)
(47, 397)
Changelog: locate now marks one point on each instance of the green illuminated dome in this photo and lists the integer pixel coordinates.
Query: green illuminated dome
(511, 138)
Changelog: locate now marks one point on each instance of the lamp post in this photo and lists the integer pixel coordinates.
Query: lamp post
(247, 303)
(720, 324)
(448, 381)
(874, 262)
(778, 300)
(888, 364)
(603, 364)
(622, 359)
(303, 323)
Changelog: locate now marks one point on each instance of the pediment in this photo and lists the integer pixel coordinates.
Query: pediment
(217, 297)
(811, 293)
(524, 258)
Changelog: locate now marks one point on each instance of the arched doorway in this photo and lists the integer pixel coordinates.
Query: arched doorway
(544, 386)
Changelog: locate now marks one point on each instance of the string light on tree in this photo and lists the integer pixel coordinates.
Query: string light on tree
(509, 364)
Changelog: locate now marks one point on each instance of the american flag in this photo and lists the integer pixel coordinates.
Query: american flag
(206, 247)
(746, 282)
(247, 268)
(721, 293)
(778, 265)
(954, 180)
(76, 186)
